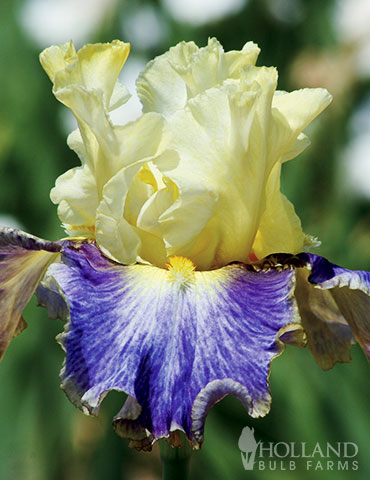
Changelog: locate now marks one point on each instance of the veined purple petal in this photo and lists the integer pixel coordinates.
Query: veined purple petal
(23, 261)
(328, 275)
(175, 345)
(350, 293)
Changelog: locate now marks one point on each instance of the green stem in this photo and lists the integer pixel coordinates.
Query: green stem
(175, 460)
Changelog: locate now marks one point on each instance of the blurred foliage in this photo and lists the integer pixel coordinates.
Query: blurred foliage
(43, 437)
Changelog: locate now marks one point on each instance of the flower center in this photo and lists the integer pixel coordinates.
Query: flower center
(181, 269)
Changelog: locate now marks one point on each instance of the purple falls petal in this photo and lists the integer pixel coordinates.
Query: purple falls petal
(350, 290)
(174, 347)
(23, 261)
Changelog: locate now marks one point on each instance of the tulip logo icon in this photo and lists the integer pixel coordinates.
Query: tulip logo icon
(248, 446)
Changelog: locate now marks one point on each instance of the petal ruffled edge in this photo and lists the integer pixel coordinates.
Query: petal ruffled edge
(140, 419)
(348, 290)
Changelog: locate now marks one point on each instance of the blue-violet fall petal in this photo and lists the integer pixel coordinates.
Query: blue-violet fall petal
(176, 341)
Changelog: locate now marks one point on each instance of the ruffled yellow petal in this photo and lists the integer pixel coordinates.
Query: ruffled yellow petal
(301, 106)
(198, 175)
(86, 82)
(221, 172)
(170, 80)
(117, 234)
(56, 58)
(292, 112)
(280, 229)
(236, 60)
(157, 203)
(143, 186)
(94, 67)
(76, 195)
(232, 132)
(222, 139)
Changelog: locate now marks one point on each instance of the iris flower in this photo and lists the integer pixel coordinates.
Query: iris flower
(185, 270)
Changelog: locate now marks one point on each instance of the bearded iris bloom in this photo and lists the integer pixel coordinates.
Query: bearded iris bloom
(185, 270)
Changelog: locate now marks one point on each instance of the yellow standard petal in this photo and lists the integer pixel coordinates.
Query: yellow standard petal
(232, 131)
(170, 80)
(88, 204)
(198, 174)
(221, 137)
(280, 229)
(85, 82)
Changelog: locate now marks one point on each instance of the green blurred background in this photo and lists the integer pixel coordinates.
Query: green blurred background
(313, 43)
